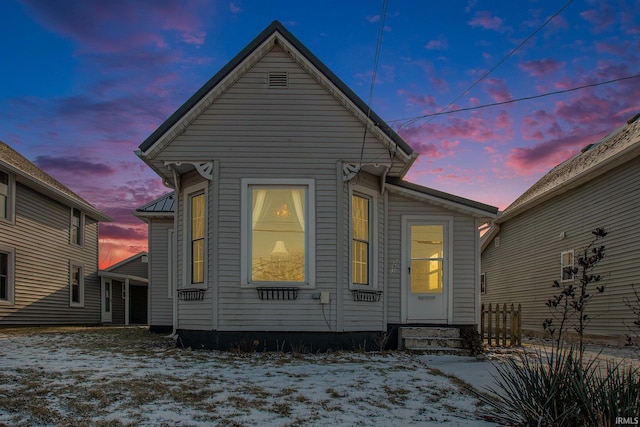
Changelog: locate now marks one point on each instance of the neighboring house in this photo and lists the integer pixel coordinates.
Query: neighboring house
(542, 232)
(292, 221)
(48, 248)
(158, 214)
(124, 287)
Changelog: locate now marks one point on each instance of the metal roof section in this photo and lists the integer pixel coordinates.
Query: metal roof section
(618, 147)
(275, 33)
(162, 206)
(31, 175)
(440, 198)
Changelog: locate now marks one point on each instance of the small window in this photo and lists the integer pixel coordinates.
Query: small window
(6, 275)
(76, 228)
(360, 238)
(567, 266)
(76, 285)
(5, 196)
(483, 283)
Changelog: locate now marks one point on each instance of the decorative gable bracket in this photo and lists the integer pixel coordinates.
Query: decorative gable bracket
(205, 169)
(349, 171)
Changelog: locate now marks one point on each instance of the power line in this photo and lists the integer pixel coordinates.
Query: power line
(495, 66)
(526, 98)
(376, 58)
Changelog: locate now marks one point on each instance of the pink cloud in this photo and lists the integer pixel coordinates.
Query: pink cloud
(497, 89)
(485, 20)
(441, 43)
(540, 68)
(373, 18)
(426, 101)
(74, 166)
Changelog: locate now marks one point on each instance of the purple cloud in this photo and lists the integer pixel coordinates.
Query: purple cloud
(73, 165)
(497, 89)
(441, 43)
(602, 18)
(540, 68)
(112, 231)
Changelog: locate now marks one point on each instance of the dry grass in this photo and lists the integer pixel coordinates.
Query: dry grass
(115, 376)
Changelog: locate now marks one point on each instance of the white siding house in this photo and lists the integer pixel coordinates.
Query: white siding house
(48, 248)
(543, 231)
(291, 218)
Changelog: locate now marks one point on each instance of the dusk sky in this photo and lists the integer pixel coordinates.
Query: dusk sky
(84, 82)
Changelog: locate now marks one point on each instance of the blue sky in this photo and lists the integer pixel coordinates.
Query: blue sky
(84, 82)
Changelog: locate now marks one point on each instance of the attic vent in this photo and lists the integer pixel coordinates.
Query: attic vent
(278, 79)
(496, 242)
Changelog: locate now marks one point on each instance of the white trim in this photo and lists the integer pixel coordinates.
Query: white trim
(374, 231)
(10, 197)
(72, 266)
(447, 222)
(190, 191)
(11, 271)
(81, 228)
(562, 266)
(171, 266)
(310, 229)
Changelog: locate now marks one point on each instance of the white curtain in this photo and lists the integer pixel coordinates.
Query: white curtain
(297, 196)
(258, 207)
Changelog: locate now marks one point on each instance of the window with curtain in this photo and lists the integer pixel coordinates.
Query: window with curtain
(197, 211)
(277, 233)
(360, 232)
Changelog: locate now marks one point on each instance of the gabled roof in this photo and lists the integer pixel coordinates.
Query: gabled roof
(132, 258)
(446, 200)
(163, 206)
(618, 147)
(272, 34)
(34, 177)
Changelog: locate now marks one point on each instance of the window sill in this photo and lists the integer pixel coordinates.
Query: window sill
(76, 305)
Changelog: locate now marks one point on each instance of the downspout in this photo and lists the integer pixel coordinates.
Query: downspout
(176, 212)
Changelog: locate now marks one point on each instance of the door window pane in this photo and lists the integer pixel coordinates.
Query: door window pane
(427, 258)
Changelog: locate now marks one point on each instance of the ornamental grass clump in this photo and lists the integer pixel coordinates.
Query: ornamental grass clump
(561, 388)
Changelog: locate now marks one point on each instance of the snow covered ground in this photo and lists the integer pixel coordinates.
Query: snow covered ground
(126, 376)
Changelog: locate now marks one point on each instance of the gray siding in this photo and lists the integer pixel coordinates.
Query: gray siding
(134, 267)
(464, 258)
(522, 269)
(40, 237)
(161, 306)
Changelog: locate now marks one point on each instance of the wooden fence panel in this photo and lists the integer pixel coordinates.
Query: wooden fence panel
(500, 326)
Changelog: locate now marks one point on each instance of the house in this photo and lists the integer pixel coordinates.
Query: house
(291, 220)
(543, 231)
(158, 214)
(125, 291)
(48, 248)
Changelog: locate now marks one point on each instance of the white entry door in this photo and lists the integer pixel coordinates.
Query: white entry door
(107, 303)
(426, 276)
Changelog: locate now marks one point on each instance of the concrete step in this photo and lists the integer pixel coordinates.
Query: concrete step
(425, 343)
(429, 332)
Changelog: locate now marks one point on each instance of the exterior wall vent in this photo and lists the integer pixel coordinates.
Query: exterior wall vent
(278, 79)
(496, 242)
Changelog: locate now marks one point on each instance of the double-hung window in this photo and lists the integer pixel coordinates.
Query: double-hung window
(363, 237)
(6, 275)
(195, 236)
(278, 232)
(76, 285)
(360, 239)
(5, 198)
(566, 266)
(76, 228)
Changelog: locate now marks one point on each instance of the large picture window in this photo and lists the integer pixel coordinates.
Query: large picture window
(360, 235)
(278, 233)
